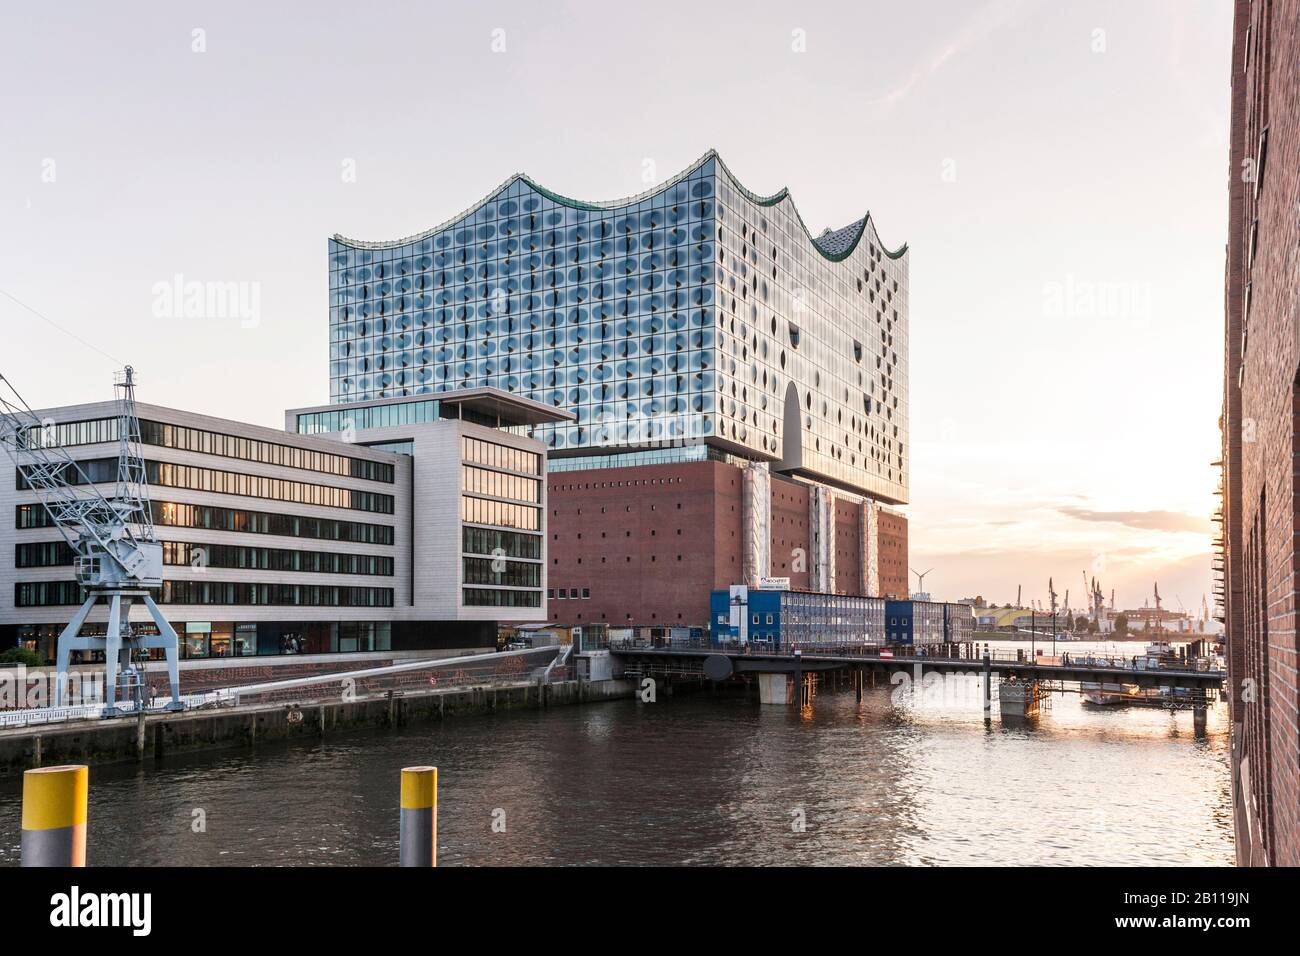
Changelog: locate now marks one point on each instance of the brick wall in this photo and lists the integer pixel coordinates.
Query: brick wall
(1260, 426)
(849, 556)
(648, 544)
(893, 556)
(790, 531)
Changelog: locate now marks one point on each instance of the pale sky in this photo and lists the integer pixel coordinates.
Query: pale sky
(1059, 171)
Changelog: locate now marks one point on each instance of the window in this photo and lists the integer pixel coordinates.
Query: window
(194, 478)
(481, 597)
(165, 435)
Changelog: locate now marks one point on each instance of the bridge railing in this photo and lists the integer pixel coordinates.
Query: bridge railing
(1063, 658)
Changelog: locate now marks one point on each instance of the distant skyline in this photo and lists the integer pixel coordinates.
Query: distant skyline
(1059, 173)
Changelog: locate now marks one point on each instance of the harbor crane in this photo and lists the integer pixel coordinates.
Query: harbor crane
(1099, 607)
(116, 554)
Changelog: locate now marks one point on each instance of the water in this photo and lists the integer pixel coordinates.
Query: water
(695, 779)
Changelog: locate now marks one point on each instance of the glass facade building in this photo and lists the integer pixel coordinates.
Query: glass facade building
(697, 312)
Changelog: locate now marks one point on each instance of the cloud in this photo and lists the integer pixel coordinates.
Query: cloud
(1147, 520)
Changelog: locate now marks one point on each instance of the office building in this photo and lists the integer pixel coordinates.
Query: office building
(389, 527)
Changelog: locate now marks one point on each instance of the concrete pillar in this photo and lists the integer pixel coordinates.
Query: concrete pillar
(418, 827)
(774, 689)
(1018, 698)
(870, 524)
(988, 687)
(756, 524)
(821, 538)
(54, 816)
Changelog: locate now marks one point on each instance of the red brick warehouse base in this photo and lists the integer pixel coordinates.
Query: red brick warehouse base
(646, 545)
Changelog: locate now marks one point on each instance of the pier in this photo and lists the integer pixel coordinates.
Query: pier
(301, 707)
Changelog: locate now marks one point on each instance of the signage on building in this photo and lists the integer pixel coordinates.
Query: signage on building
(774, 584)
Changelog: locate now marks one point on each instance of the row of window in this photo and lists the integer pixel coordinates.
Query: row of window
(194, 478)
(499, 513)
(500, 572)
(262, 522)
(55, 593)
(512, 544)
(482, 597)
(274, 559)
(479, 452)
(371, 416)
(571, 594)
(182, 437)
(54, 554)
(211, 518)
(43, 554)
(636, 459)
(500, 485)
(202, 639)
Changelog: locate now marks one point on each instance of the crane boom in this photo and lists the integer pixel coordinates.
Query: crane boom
(116, 554)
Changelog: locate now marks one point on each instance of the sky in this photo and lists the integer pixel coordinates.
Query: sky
(1058, 171)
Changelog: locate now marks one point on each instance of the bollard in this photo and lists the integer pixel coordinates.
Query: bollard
(418, 830)
(54, 816)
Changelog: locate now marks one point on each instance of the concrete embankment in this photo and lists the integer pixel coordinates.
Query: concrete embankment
(156, 735)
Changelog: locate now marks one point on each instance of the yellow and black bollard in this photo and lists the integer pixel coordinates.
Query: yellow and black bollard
(54, 816)
(418, 830)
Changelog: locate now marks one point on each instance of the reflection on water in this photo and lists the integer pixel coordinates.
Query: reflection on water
(694, 779)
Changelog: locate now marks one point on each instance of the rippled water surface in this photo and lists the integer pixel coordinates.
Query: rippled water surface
(695, 779)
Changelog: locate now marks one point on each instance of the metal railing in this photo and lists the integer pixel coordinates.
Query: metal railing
(1065, 659)
(478, 670)
(43, 715)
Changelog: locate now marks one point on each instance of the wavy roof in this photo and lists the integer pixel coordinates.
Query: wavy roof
(835, 245)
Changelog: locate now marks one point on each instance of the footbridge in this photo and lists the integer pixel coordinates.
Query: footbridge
(789, 674)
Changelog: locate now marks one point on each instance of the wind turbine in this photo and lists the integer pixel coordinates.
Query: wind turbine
(920, 579)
